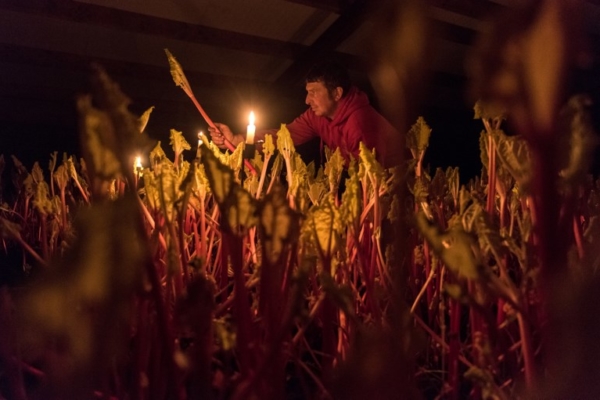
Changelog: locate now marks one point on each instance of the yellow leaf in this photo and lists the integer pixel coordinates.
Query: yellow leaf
(417, 138)
(284, 140)
(279, 224)
(455, 247)
(143, 119)
(236, 204)
(178, 142)
(177, 72)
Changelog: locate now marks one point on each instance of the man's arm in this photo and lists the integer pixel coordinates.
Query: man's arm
(222, 133)
(301, 129)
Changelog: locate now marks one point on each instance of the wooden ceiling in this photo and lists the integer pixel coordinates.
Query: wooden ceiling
(237, 54)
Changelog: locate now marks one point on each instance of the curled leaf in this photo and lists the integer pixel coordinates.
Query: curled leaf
(417, 138)
(42, 201)
(37, 173)
(334, 168)
(61, 177)
(513, 153)
(322, 227)
(178, 142)
(177, 72)
(143, 119)
(370, 167)
(158, 157)
(284, 141)
(268, 146)
(236, 204)
(98, 140)
(351, 205)
(455, 247)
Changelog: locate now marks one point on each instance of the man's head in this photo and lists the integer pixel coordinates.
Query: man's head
(326, 85)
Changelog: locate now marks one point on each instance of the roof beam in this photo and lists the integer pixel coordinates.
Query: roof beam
(327, 5)
(133, 22)
(351, 18)
(75, 62)
(477, 9)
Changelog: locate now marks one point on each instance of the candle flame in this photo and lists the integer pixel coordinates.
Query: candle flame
(137, 166)
(200, 138)
(251, 129)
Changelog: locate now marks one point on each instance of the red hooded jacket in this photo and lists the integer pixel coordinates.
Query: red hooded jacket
(355, 120)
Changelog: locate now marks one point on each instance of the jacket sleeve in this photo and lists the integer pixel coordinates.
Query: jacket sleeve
(302, 129)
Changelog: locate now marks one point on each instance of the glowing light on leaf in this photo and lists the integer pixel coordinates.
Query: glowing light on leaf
(333, 168)
(369, 167)
(158, 156)
(299, 175)
(236, 204)
(322, 227)
(284, 140)
(268, 146)
(351, 203)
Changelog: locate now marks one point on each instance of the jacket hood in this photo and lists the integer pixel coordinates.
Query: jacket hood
(354, 100)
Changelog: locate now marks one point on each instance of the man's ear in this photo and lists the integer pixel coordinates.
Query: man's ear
(337, 93)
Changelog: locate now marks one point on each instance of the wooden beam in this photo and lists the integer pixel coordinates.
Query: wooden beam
(327, 5)
(132, 22)
(453, 33)
(40, 85)
(477, 9)
(346, 24)
(350, 19)
(79, 63)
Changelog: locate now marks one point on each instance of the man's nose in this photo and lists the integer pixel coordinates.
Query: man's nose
(307, 100)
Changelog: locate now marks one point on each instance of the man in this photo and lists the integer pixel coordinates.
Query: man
(338, 113)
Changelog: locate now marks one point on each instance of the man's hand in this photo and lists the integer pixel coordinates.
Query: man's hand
(222, 132)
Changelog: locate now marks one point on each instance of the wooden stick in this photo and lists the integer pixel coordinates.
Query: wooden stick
(181, 81)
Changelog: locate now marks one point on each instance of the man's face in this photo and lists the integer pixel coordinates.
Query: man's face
(320, 100)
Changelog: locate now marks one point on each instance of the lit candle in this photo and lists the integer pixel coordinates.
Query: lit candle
(251, 130)
(138, 164)
(137, 170)
(200, 137)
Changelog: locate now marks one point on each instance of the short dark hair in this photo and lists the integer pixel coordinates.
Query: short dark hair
(332, 75)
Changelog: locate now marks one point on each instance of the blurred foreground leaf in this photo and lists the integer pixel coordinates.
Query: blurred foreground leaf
(279, 224)
(74, 320)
